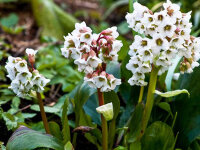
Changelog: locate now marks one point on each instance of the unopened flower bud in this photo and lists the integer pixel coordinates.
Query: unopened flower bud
(106, 32)
(106, 110)
(103, 73)
(92, 53)
(31, 55)
(188, 65)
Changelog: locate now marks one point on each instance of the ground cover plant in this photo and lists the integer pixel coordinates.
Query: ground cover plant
(128, 82)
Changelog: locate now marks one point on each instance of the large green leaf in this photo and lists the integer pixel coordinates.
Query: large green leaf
(9, 21)
(172, 93)
(69, 146)
(79, 97)
(54, 21)
(90, 108)
(65, 124)
(188, 118)
(158, 136)
(55, 130)
(27, 139)
(135, 123)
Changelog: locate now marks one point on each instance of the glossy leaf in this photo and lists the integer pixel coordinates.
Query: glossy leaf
(9, 21)
(55, 130)
(158, 136)
(165, 106)
(65, 123)
(121, 148)
(112, 97)
(135, 123)
(30, 139)
(68, 146)
(54, 21)
(172, 93)
(188, 110)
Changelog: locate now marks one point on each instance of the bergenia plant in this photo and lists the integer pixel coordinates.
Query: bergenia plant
(26, 80)
(92, 52)
(161, 37)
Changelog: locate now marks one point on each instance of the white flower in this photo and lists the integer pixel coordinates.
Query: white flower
(85, 48)
(162, 70)
(21, 66)
(113, 32)
(139, 10)
(170, 53)
(145, 68)
(169, 5)
(23, 77)
(130, 20)
(159, 43)
(80, 28)
(185, 33)
(167, 29)
(31, 52)
(81, 64)
(133, 65)
(116, 45)
(147, 20)
(94, 61)
(162, 61)
(71, 41)
(90, 82)
(11, 71)
(75, 53)
(147, 55)
(65, 52)
(160, 17)
(100, 81)
(86, 37)
(113, 81)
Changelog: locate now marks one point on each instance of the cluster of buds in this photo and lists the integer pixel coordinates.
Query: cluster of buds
(25, 79)
(165, 35)
(91, 52)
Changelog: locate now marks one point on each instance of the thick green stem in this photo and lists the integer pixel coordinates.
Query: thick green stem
(141, 94)
(43, 114)
(111, 133)
(131, 6)
(104, 125)
(150, 99)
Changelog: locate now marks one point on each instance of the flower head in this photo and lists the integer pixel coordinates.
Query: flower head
(24, 79)
(165, 35)
(91, 52)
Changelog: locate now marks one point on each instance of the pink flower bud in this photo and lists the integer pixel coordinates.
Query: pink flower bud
(85, 56)
(103, 73)
(106, 32)
(95, 74)
(92, 53)
(110, 76)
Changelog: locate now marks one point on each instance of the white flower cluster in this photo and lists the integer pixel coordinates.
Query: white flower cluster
(24, 81)
(165, 34)
(91, 52)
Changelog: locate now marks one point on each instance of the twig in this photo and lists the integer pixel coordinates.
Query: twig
(24, 108)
